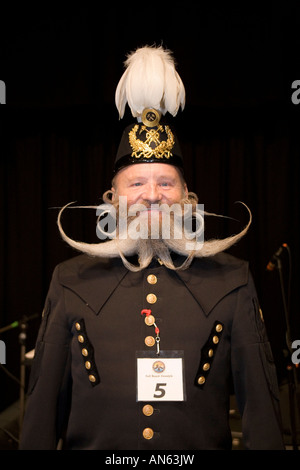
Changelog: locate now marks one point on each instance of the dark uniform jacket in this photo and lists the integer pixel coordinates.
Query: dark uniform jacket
(83, 379)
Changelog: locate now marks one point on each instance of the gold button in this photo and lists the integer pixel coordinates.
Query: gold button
(149, 320)
(92, 378)
(206, 366)
(152, 279)
(87, 365)
(148, 410)
(219, 328)
(84, 352)
(215, 339)
(210, 353)
(151, 298)
(149, 341)
(261, 315)
(81, 339)
(148, 433)
(201, 380)
(77, 326)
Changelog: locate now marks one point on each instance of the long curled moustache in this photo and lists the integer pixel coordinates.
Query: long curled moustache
(148, 248)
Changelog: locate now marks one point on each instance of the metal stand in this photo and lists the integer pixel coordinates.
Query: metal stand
(23, 325)
(22, 341)
(292, 376)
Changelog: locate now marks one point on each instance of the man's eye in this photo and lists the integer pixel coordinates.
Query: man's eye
(137, 184)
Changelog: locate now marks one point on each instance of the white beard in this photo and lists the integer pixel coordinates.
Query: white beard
(149, 248)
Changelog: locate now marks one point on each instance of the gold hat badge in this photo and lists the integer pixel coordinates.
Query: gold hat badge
(152, 146)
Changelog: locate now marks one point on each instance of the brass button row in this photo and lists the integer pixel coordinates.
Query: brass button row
(80, 338)
(148, 433)
(151, 298)
(150, 319)
(88, 365)
(206, 366)
(85, 353)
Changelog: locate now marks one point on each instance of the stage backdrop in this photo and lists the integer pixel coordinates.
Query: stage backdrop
(60, 130)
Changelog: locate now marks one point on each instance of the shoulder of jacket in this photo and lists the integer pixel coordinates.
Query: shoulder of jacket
(227, 263)
(211, 279)
(91, 279)
(84, 267)
(222, 265)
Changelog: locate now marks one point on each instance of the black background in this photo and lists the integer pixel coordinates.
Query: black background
(60, 129)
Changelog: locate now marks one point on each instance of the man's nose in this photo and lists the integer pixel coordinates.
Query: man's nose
(152, 193)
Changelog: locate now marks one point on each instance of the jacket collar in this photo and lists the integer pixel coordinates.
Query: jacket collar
(94, 280)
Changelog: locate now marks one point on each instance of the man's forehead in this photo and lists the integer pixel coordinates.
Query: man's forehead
(147, 170)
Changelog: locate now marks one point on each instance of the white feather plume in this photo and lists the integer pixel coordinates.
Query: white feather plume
(150, 81)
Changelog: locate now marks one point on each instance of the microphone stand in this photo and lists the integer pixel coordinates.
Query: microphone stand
(22, 342)
(292, 376)
(23, 324)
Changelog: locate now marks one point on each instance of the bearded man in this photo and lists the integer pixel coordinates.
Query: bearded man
(143, 337)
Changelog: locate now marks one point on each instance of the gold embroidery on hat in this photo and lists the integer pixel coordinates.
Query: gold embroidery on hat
(143, 149)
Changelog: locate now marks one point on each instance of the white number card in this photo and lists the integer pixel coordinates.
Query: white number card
(160, 378)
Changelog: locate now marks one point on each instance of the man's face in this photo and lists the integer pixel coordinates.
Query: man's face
(150, 183)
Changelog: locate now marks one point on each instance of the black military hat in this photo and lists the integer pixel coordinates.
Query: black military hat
(151, 86)
(148, 141)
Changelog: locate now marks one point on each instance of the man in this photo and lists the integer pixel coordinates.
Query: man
(141, 342)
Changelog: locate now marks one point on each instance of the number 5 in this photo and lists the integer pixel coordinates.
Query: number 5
(161, 391)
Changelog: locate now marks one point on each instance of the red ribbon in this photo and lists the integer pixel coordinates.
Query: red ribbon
(146, 312)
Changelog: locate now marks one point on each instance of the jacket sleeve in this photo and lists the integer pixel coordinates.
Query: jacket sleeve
(47, 399)
(254, 375)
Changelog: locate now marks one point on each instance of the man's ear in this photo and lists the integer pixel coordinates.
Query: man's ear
(113, 196)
